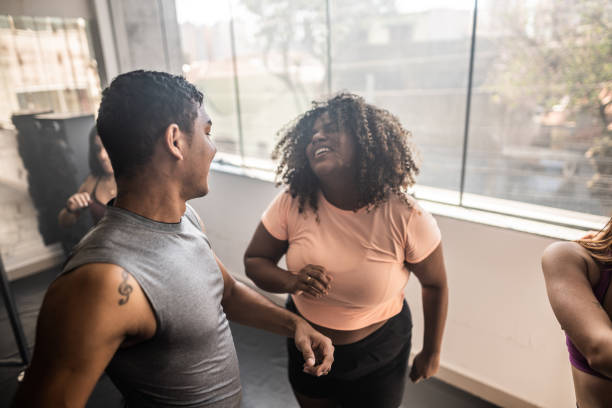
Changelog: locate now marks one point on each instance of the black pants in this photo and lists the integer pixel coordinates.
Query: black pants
(368, 373)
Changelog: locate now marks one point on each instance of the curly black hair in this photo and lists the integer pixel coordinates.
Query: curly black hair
(385, 156)
(136, 110)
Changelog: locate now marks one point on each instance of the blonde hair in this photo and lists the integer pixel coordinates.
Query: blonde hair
(600, 246)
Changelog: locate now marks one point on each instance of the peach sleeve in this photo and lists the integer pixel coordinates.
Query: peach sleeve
(275, 217)
(422, 236)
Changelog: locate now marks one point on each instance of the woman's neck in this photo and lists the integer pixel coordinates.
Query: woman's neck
(340, 192)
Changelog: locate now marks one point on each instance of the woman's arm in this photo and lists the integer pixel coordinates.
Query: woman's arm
(69, 215)
(577, 309)
(431, 273)
(260, 261)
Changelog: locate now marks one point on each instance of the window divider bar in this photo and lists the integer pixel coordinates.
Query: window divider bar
(468, 104)
(236, 85)
(329, 45)
(164, 33)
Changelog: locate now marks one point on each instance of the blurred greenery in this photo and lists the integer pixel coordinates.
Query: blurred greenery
(557, 60)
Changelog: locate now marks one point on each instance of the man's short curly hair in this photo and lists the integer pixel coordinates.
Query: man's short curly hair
(136, 110)
(385, 156)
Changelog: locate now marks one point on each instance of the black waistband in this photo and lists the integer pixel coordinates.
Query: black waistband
(400, 324)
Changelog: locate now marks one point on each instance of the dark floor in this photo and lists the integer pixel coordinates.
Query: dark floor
(261, 355)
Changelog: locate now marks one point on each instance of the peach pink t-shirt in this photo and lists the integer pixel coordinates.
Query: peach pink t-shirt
(363, 251)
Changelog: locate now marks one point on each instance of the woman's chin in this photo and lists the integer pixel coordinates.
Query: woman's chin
(323, 169)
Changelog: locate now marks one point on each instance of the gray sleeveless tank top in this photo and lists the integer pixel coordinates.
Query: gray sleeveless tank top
(191, 360)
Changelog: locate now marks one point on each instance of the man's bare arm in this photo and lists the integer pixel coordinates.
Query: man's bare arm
(244, 305)
(86, 315)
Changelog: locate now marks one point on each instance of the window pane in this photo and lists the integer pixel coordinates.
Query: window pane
(206, 42)
(281, 57)
(538, 125)
(413, 60)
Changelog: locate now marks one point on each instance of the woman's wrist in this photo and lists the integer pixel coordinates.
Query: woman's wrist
(431, 351)
(73, 212)
(289, 284)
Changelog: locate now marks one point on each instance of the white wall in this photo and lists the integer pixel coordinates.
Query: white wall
(502, 341)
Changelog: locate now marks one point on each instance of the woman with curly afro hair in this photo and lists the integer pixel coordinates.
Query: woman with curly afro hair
(352, 236)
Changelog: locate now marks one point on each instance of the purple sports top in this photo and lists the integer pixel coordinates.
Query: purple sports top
(575, 356)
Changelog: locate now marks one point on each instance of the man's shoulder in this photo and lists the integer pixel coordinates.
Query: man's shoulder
(97, 301)
(87, 287)
(109, 237)
(103, 232)
(91, 277)
(96, 247)
(102, 286)
(193, 216)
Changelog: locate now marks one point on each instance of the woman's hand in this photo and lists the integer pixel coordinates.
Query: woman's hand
(77, 202)
(425, 365)
(312, 280)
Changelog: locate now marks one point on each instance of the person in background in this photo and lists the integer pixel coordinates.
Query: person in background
(578, 277)
(97, 189)
(352, 236)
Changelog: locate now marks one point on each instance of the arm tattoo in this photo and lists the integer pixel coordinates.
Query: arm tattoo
(124, 288)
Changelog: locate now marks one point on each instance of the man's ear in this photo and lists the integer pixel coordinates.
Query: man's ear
(174, 141)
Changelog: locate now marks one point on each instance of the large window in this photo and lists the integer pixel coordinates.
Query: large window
(509, 103)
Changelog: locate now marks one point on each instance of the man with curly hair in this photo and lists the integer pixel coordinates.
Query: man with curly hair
(352, 236)
(143, 296)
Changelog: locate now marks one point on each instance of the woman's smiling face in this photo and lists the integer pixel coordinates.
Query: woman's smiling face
(330, 150)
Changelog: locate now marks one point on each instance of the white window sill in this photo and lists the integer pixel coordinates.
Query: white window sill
(522, 217)
(503, 221)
